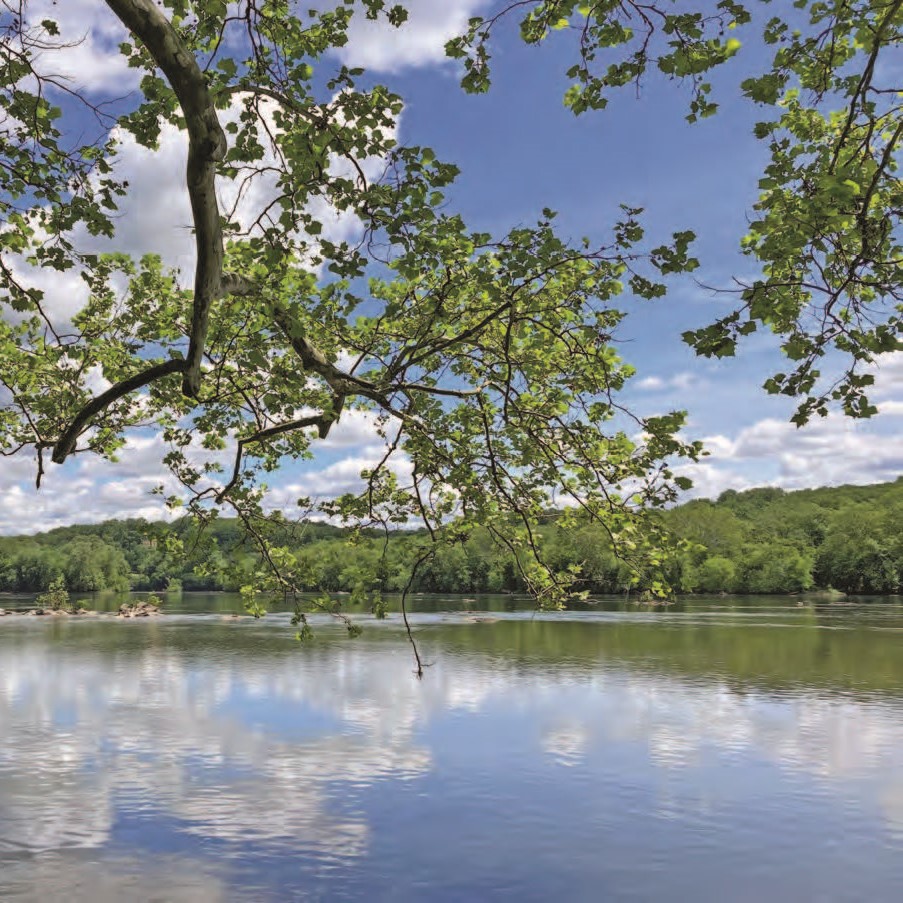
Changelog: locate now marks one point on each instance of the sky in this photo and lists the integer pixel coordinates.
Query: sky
(519, 150)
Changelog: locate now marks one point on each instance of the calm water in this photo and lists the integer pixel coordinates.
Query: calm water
(721, 750)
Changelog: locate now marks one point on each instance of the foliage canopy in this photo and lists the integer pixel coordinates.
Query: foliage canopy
(487, 361)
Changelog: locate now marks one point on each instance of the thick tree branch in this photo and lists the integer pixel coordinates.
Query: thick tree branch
(65, 445)
(313, 360)
(231, 284)
(206, 146)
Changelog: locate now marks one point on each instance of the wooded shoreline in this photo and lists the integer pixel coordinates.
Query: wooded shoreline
(847, 538)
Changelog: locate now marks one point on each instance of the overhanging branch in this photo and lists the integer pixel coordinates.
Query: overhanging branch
(314, 361)
(323, 422)
(206, 146)
(65, 445)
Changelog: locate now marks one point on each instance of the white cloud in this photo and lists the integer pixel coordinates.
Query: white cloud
(419, 42)
(891, 408)
(246, 200)
(679, 381)
(340, 477)
(93, 61)
(90, 60)
(828, 452)
(710, 480)
(88, 489)
(155, 217)
(64, 293)
(888, 377)
(85, 490)
(355, 428)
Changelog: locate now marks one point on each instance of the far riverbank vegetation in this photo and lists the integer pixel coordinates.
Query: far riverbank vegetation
(847, 538)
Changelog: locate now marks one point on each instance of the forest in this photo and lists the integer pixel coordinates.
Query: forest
(767, 540)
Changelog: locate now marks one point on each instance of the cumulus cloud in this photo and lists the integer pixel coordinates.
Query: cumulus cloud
(89, 60)
(155, 217)
(888, 378)
(356, 428)
(338, 478)
(710, 479)
(88, 489)
(93, 33)
(420, 42)
(829, 452)
(85, 489)
(64, 294)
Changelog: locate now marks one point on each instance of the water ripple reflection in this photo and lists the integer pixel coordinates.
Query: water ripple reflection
(190, 759)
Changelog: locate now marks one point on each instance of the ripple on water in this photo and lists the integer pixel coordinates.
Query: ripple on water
(627, 754)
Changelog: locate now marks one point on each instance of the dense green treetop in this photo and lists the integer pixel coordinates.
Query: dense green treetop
(487, 359)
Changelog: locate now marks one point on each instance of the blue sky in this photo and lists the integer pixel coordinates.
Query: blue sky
(520, 150)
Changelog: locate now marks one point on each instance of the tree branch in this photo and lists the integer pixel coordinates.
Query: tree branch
(313, 359)
(206, 146)
(323, 422)
(65, 445)
(430, 553)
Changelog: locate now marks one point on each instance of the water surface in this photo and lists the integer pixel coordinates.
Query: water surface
(723, 749)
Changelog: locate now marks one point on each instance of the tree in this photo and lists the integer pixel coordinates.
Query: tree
(487, 361)
(56, 598)
(861, 554)
(826, 231)
(91, 565)
(717, 575)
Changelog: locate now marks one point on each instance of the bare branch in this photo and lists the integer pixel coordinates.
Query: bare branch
(428, 554)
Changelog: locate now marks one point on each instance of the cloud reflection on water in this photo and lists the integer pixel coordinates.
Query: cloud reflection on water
(207, 733)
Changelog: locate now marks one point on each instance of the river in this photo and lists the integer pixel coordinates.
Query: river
(721, 749)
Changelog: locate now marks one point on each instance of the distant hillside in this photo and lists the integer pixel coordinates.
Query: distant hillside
(848, 538)
(767, 540)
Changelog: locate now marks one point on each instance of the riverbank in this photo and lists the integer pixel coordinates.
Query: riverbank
(760, 541)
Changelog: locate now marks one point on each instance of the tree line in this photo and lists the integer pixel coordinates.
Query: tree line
(848, 538)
